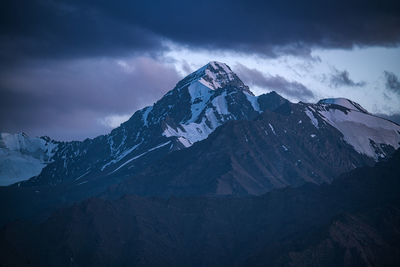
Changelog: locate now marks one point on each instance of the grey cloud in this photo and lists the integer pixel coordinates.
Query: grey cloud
(277, 83)
(392, 82)
(186, 67)
(342, 78)
(66, 99)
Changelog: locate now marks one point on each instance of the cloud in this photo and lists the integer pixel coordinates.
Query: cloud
(392, 82)
(62, 29)
(69, 99)
(49, 28)
(114, 121)
(342, 78)
(277, 83)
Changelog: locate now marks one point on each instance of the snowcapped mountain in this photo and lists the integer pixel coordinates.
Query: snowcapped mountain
(209, 135)
(22, 157)
(190, 112)
(209, 97)
(286, 146)
(197, 105)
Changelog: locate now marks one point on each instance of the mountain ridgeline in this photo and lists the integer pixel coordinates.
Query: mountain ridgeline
(207, 99)
(209, 175)
(207, 136)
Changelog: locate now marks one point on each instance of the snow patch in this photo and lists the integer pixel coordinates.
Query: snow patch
(272, 128)
(220, 104)
(76, 179)
(253, 101)
(314, 120)
(146, 115)
(121, 156)
(200, 94)
(184, 141)
(359, 128)
(139, 156)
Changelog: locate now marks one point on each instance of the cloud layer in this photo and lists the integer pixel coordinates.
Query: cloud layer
(276, 83)
(55, 98)
(88, 28)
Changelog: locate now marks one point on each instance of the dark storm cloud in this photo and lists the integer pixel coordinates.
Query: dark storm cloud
(68, 99)
(277, 83)
(86, 28)
(392, 82)
(342, 78)
(63, 29)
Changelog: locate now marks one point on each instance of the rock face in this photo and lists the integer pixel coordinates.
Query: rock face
(353, 221)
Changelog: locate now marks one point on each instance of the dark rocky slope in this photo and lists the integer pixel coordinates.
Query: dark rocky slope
(251, 157)
(355, 221)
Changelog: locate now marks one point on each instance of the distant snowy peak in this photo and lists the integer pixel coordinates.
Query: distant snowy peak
(344, 102)
(368, 134)
(22, 157)
(21, 142)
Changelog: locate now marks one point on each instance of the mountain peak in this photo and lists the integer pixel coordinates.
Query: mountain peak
(215, 75)
(344, 102)
(216, 65)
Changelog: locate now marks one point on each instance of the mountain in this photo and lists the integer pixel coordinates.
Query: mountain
(200, 103)
(209, 175)
(208, 136)
(288, 146)
(22, 157)
(188, 113)
(355, 221)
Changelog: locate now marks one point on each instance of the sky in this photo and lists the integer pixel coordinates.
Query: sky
(76, 69)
